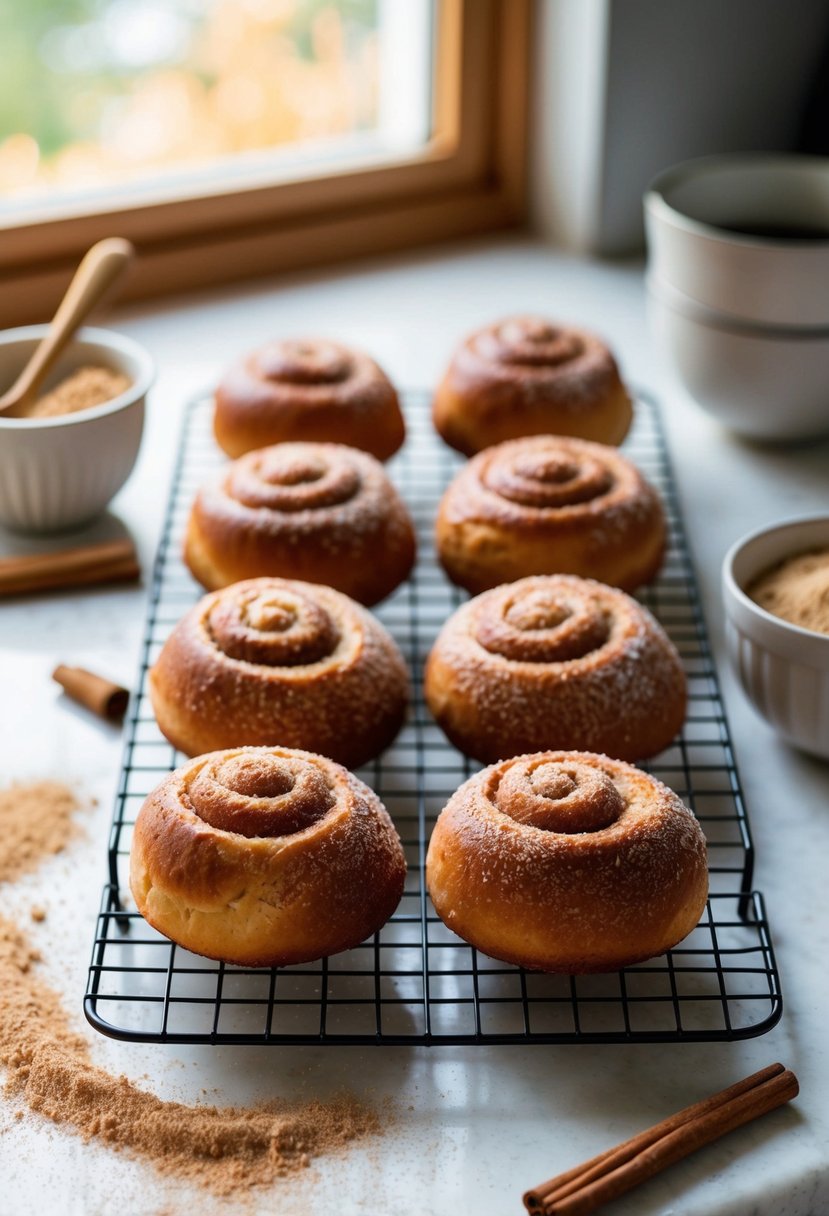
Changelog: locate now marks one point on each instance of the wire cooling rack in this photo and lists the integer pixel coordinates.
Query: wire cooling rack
(415, 982)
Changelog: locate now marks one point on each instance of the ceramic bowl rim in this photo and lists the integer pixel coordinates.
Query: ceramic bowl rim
(103, 337)
(683, 305)
(657, 204)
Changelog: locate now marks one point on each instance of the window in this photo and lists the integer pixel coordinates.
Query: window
(232, 137)
(103, 95)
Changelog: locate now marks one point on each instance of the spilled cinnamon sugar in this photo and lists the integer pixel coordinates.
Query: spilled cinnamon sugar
(49, 1069)
(227, 1149)
(36, 821)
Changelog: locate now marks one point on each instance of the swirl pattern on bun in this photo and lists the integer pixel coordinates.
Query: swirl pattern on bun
(270, 661)
(567, 861)
(307, 389)
(549, 505)
(528, 376)
(265, 857)
(555, 662)
(318, 512)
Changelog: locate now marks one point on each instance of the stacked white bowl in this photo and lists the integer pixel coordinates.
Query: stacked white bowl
(738, 284)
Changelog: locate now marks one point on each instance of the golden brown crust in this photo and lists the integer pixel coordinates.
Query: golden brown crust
(265, 857)
(549, 505)
(270, 661)
(318, 512)
(555, 662)
(567, 861)
(307, 389)
(527, 376)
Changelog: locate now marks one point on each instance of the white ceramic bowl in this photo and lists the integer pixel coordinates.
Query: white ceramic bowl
(783, 669)
(763, 383)
(692, 209)
(59, 473)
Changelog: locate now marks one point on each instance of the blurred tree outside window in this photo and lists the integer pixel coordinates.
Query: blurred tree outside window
(99, 94)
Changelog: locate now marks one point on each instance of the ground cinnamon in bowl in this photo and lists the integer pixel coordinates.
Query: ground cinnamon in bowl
(81, 390)
(796, 590)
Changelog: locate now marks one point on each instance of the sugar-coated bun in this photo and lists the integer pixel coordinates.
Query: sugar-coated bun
(269, 661)
(555, 662)
(308, 389)
(549, 505)
(528, 376)
(567, 861)
(318, 512)
(265, 857)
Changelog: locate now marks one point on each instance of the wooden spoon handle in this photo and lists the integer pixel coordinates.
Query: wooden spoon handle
(100, 267)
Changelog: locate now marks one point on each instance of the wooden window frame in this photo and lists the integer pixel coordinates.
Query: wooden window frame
(469, 178)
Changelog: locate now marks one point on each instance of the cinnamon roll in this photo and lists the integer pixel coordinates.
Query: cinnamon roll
(318, 512)
(555, 662)
(265, 857)
(529, 376)
(549, 505)
(269, 661)
(567, 861)
(307, 388)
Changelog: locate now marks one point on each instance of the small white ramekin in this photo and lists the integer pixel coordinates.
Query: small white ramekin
(60, 473)
(784, 670)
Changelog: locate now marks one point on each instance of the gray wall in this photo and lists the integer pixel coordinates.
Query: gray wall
(682, 78)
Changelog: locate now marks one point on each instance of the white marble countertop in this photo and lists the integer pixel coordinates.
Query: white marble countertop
(477, 1125)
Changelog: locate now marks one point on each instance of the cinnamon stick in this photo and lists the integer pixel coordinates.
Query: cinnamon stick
(564, 1183)
(112, 561)
(102, 696)
(603, 1178)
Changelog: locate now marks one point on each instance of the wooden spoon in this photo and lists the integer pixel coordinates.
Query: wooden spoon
(102, 265)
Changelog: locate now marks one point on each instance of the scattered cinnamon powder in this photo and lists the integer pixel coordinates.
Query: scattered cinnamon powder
(797, 590)
(83, 389)
(228, 1150)
(35, 822)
